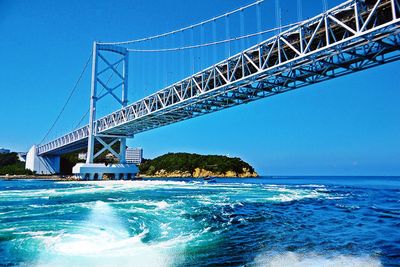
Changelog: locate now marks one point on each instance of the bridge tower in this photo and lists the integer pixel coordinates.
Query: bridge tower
(113, 60)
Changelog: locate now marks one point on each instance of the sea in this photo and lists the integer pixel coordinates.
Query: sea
(267, 221)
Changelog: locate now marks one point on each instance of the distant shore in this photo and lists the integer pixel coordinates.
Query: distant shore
(73, 178)
(168, 166)
(39, 177)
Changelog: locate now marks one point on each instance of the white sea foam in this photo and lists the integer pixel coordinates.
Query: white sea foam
(278, 193)
(36, 233)
(313, 260)
(11, 229)
(132, 184)
(92, 187)
(294, 196)
(282, 194)
(103, 240)
(348, 207)
(162, 204)
(165, 228)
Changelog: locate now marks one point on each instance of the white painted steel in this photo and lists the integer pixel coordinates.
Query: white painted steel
(353, 36)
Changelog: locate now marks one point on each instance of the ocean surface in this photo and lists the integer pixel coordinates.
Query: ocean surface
(292, 221)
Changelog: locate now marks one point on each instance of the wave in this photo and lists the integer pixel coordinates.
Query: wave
(313, 260)
(103, 240)
(120, 184)
(89, 187)
(274, 193)
(158, 204)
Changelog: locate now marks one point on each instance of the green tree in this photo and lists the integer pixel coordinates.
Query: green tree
(10, 164)
(186, 162)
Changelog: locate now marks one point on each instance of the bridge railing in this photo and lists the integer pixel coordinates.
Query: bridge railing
(64, 140)
(349, 21)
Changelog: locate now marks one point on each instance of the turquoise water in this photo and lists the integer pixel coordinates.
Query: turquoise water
(301, 221)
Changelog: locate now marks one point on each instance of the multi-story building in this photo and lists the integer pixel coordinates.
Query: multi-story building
(82, 156)
(134, 155)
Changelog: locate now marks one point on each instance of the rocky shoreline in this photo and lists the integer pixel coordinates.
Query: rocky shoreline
(40, 177)
(200, 173)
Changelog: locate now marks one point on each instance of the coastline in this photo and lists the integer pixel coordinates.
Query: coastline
(168, 166)
(39, 177)
(163, 175)
(200, 173)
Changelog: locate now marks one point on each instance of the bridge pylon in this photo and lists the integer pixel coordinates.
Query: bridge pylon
(114, 61)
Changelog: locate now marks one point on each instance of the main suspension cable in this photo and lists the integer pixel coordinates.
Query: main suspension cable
(213, 43)
(185, 28)
(68, 99)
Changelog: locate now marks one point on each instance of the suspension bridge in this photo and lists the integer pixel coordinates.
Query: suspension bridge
(351, 37)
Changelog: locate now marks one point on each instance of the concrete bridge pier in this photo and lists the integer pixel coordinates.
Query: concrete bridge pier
(95, 171)
(42, 164)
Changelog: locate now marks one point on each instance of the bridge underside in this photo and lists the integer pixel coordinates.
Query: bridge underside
(284, 79)
(349, 38)
(75, 146)
(81, 144)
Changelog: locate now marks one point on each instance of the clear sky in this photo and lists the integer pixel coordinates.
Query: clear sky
(346, 126)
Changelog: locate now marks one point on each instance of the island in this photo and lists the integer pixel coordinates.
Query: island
(186, 165)
(171, 165)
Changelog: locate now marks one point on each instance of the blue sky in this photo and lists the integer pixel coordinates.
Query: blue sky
(346, 126)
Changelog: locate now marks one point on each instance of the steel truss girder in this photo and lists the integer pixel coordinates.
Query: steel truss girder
(348, 38)
(106, 146)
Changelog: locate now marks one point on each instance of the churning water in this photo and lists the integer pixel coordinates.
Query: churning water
(331, 221)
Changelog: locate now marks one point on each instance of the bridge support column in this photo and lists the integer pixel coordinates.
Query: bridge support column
(93, 100)
(95, 171)
(119, 69)
(122, 151)
(42, 164)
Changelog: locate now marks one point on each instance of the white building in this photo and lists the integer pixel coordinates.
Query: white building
(82, 156)
(134, 155)
(22, 156)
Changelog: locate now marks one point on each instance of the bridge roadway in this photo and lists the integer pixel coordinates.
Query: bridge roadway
(351, 37)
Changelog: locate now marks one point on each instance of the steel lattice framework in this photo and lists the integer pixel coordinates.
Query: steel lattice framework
(354, 36)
